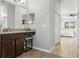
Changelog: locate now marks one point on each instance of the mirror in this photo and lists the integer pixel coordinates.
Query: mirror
(14, 14)
(3, 15)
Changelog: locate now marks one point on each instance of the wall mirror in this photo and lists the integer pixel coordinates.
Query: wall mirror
(15, 14)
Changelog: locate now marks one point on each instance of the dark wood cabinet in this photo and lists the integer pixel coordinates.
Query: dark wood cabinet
(19, 45)
(8, 46)
(12, 45)
(0, 45)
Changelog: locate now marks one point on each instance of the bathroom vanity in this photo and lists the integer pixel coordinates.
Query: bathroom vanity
(12, 43)
(14, 15)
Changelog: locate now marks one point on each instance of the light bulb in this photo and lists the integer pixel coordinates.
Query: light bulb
(29, 22)
(22, 1)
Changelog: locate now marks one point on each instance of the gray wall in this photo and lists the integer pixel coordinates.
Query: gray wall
(45, 22)
(41, 9)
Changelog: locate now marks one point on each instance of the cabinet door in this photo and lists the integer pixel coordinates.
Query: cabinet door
(19, 45)
(8, 48)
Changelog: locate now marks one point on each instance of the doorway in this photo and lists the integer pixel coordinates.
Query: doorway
(68, 28)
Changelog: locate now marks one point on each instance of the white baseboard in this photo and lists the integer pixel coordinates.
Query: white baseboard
(41, 49)
(57, 42)
(48, 51)
(54, 46)
(52, 49)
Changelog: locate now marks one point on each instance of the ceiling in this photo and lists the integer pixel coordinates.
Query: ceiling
(69, 6)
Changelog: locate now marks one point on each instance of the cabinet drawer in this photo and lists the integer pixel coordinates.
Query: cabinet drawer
(19, 35)
(7, 36)
(28, 34)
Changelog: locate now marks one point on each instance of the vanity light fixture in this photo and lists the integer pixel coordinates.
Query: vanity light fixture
(29, 22)
(15, 1)
(19, 1)
(22, 1)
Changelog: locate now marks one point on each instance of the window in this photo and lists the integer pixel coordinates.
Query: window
(70, 25)
(66, 25)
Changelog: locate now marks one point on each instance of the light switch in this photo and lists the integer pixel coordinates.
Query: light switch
(44, 25)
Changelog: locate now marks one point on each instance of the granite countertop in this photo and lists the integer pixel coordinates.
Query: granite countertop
(11, 32)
